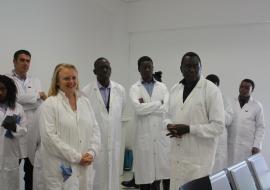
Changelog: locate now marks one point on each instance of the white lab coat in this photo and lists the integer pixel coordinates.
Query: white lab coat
(152, 146)
(221, 158)
(28, 97)
(10, 151)
(37, 170)
(193, 155)
(65, 136)
(246, 131)
(107, 162)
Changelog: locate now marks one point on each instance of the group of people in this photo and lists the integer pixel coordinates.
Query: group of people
(70, 139)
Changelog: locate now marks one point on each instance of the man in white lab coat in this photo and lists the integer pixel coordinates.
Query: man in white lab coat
(108, 101)
(196, 119)
(245, 135)
(150, 102)
(30, 97)
(221, 158)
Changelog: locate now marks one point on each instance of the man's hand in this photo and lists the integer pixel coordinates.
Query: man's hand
(177, 130)
(172, 131)
(255, 150)
(141, 100)
(42, 95)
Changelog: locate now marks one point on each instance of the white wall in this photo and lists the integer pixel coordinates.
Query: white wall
(231, 37)
(69, 31)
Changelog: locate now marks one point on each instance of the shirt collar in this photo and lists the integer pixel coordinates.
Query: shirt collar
(102, 87)
(18, 76)
(153, 81)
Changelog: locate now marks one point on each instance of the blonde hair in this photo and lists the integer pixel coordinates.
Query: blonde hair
(54, 88)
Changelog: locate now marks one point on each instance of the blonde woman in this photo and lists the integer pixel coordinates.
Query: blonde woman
(70, 136)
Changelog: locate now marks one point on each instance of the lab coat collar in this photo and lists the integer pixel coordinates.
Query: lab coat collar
(14, 74)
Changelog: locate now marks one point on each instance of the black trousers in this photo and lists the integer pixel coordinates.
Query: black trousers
(166, 184)
(28, 173)
(154, 186)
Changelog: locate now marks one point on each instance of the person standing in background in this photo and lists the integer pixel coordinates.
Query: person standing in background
(12, 127)
(221, 158)
(30, 96)
(245, 135)
(108, 100)
(150, 102)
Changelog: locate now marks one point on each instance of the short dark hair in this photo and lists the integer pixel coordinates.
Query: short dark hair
(213, 78)
(100, 59)
(192, 55)
(11, 91)
(19, 52)
(143, 59)
(249, 81)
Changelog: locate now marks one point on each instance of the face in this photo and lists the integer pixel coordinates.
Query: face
(146, 69)
(191, 69)
(3, 92)
(22, 64)
(103, 71)
(245, 89)
(68, 80)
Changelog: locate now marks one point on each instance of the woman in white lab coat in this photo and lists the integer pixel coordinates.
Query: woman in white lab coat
(12, 120)
(70, 136)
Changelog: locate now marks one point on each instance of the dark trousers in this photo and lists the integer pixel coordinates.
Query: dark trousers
(28, 173)
(154, 186)
(166, 184)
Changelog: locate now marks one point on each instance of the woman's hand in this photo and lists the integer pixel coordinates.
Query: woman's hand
(86, 159)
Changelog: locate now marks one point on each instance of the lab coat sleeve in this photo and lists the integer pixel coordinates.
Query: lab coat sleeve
(21, 129)
(165, 106)
(124, 107)
(216, 117)
(49, 135)
(260, 128)
(28, 98)
(95, 139)
(142, 108)
(228, 112)
(31, 97)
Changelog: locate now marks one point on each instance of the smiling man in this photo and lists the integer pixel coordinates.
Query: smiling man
(196, 118)
(246, 133)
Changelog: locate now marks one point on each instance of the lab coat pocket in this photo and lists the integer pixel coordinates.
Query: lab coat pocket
(143, 143)
(11, 163)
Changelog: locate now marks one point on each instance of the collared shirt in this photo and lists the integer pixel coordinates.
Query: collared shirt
(188, 89)
(149, 86)
(18, 76)
(105, 93)
(243, 100)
